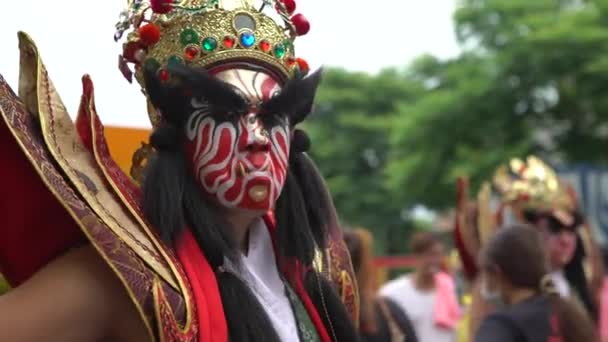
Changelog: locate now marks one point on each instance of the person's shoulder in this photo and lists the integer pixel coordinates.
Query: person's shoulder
(529, 308)
(399, 316)
(396, 285)
(403, 280)
(497, 326)
(397, 312)
(394, 309)
(528, 318)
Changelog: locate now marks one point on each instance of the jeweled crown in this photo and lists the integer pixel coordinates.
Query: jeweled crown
(533, 184)
(209, 33)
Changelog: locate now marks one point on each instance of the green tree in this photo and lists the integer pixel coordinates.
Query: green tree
(461, 126)
(350, 143)
(531, 80)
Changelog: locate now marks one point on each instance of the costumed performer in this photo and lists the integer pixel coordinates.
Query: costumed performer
(232, 234)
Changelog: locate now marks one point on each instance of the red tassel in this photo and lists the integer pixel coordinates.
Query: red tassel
(161, 6)
(290, 6)
(301, 24)
(164, 75)
(149, 34)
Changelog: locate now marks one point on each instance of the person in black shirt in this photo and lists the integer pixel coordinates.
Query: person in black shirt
(515, 276)
(380, 319)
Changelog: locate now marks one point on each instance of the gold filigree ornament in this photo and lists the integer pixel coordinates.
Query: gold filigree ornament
(209, 34)
(139, 162)
(532, 184)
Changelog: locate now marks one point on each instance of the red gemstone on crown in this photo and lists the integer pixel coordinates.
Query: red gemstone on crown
(192, 52)
(291, 62)
(164, 75)
(229, 42)
(265, 46)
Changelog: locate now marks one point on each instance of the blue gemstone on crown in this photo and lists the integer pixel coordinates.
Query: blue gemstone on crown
(247, 39)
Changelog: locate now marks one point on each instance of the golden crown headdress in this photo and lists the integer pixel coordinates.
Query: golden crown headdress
(532, 184)
(208, 33)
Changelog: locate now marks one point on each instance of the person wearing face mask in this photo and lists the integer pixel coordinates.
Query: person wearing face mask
(228, 234)
(428, 295)
(515, 276)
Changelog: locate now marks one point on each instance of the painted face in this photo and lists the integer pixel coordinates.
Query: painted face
(240, 162)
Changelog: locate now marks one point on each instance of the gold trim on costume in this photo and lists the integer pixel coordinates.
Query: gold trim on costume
(59, 132)
(29, 57)
(65, 146)
(318, 260)
(161, 305)
(160, 247)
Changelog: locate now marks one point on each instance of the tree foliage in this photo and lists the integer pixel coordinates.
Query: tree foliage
(350, 142)
(531, 79)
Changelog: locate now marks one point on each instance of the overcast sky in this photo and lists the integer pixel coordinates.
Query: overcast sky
(76, 37)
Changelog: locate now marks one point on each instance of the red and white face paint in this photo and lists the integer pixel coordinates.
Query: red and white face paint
(240, 163)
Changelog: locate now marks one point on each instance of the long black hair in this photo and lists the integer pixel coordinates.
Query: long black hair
(574, 270)
(172, 199)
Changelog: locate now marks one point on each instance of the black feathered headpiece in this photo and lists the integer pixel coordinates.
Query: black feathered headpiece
(173, 97)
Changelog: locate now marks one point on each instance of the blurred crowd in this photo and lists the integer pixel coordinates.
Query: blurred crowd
(528, 269)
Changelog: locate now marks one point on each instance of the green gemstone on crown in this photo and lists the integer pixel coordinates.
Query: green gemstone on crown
(279, 50)
(174, 60)
(189, 36)
(209, 44)
(151, 64)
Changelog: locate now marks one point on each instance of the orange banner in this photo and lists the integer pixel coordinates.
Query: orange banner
(123, 142)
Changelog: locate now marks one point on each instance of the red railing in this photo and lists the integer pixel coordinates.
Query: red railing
(395, 261)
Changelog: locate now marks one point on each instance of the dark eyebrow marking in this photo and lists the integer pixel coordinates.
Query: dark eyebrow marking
(296, 98)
